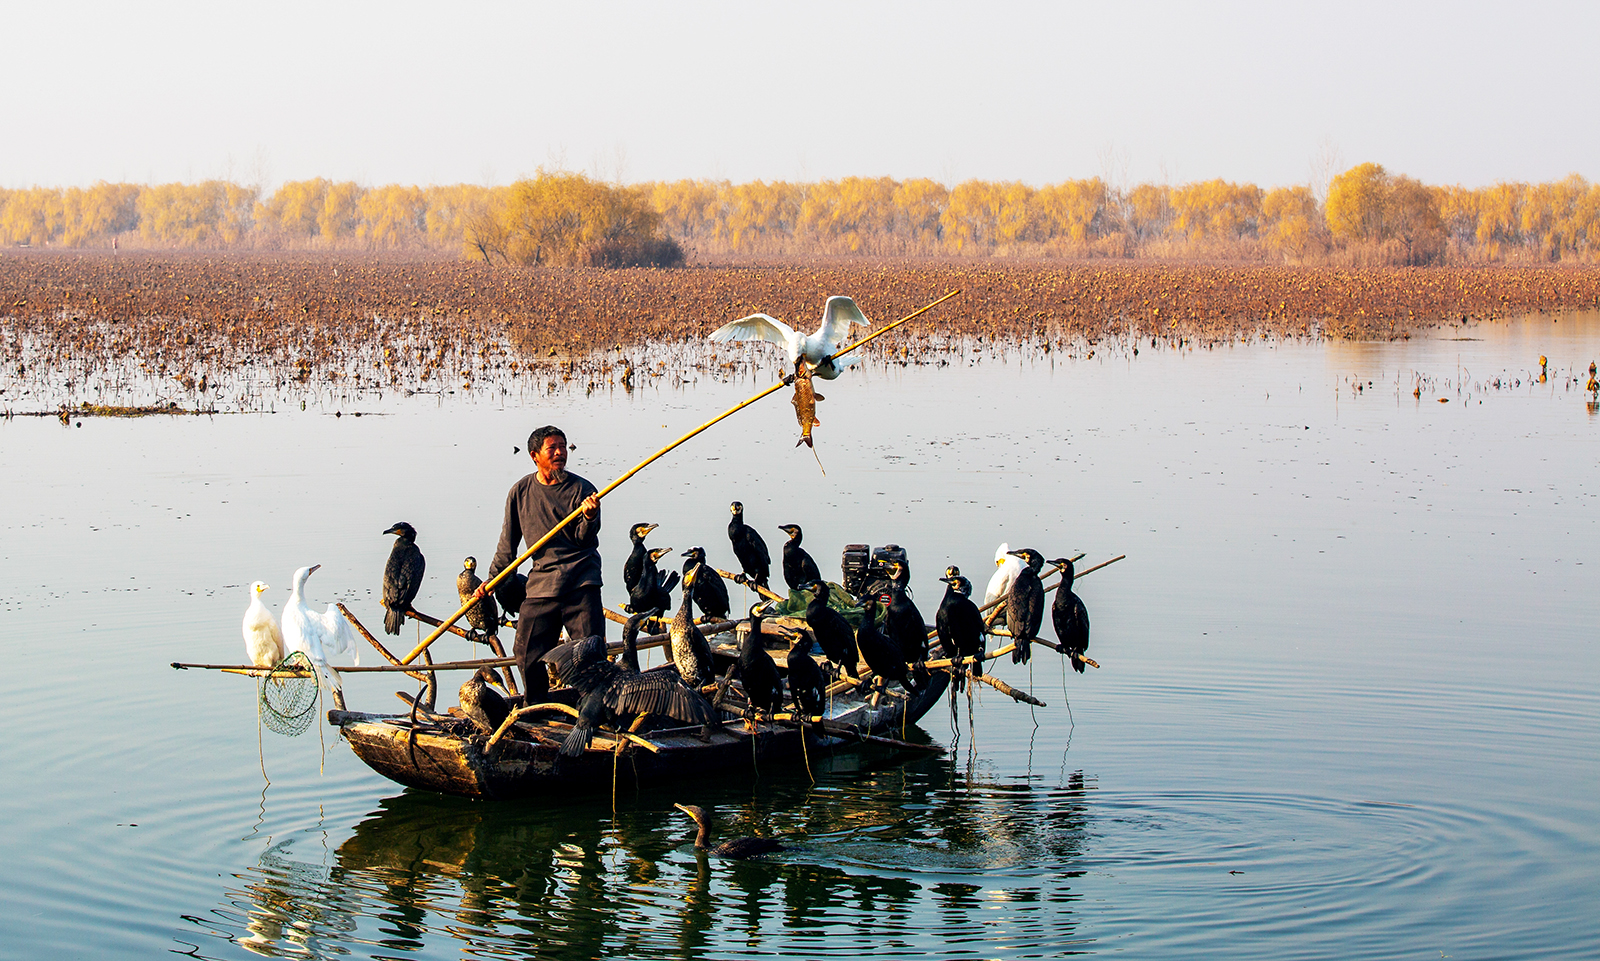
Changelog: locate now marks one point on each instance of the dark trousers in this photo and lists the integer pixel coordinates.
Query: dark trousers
(539, 624)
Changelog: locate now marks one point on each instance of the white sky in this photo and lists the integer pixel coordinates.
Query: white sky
(391, 92)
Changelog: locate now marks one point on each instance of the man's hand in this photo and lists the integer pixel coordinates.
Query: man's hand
(481, 592)
(591, 506)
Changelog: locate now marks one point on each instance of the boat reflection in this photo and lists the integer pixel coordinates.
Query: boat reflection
(914, 854)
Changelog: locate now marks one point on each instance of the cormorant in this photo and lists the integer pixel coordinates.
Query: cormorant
(807, 687)
(737, 848)
(263, 642)
(655, 586)
(634, 565)
(831, 630)
(710, 593)
(901, 620)
(610, 695)
(763, 685)
(798, 567)
(960, 625)
(1070, 617)
(749, 548)
(837, 317)
(628, 660)
(316, 634)
(690, 652)
(482, 704)
(511, 592)
(484, 616)
(1025, 605)
(402, 577)
(881, 654)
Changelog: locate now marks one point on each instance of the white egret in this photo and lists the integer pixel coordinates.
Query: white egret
(263, 642)
(1007, 569)
(316, 635)
(837, 317)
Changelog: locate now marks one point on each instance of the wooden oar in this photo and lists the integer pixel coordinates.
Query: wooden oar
(538, 545)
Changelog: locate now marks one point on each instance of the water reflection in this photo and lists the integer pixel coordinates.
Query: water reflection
(911, 857)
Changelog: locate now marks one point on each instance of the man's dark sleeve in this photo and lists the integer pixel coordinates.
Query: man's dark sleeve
(510, 536)
(586, 531)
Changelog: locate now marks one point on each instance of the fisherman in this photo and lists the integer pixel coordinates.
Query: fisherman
(564, 577)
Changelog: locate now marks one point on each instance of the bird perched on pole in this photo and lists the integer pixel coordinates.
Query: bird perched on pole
(798, 567)
(1025, 605)
(1007, 567)
(758, 673)
(901, 619)
(960, 625)
(1070, 617)
(880, 652)
(263, 641)
(838, 315)
(832, 631)
(749, 548)
(687, 646)
(807, 687)
(484, 616)
(654, 588)
(402, 576)
(634, 565)
(317, 634)
(710, 593)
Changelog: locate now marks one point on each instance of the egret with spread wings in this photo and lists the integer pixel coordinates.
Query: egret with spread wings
(837, 317)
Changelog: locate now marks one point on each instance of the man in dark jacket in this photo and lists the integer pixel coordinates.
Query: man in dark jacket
(564, 577)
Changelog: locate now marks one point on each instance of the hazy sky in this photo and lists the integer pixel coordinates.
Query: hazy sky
(1268, 93)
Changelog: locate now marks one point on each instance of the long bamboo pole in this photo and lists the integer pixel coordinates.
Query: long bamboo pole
(395, 668)
(541, 542)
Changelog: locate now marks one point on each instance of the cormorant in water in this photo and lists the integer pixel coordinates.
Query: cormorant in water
(482, 704)
(763, 685)
(655, 586)
(881, 654)
(737, 848)
(901, 619)
(690, 652)
(749, 548)
(1070, 617)
(263, 642)
(402, 577)
(960, 625)
(798, 567)
(1025, 605)
(628, 660)
(610, 695)
(807, 687)
(831, 630)
(484, 616)
(634, 565)
(710, 593)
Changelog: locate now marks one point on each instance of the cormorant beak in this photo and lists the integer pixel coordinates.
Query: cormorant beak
(1018, 554)
(649, 527)
(947, 580)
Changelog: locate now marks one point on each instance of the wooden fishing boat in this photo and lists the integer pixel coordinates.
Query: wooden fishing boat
(446, 754)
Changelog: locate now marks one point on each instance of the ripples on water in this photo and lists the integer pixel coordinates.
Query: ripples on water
(1347, 708)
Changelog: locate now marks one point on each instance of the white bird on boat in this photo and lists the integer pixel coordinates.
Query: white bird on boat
(1007, 567)
(314, 634)
(837, 317)
(263, 642)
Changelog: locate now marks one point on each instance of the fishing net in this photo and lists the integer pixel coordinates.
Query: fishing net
(289, 695)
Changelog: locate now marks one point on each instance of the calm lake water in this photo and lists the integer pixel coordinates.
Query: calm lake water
(1347, 705)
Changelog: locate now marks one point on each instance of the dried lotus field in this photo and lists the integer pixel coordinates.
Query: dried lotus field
(246, 331)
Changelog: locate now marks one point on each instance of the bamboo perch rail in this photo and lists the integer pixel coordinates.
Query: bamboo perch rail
(765, 592)
(362, 630)
(252, 670)
(538, 545)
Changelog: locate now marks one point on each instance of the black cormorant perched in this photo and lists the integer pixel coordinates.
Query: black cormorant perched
(807, 687)
(690, 652)
(1071, 618)
(610, 695)
(737, 848)
(710, 593)
(655, 586)
(880, 652)
(749, 548)
(484, 616)
(831, 630)
(511, 592)
(1025, 604)
(758, 672)
(634, 565)
(798, 567)
(628, 660)
(960, 625)
(402, 577)
(901, 619)
(482, 704)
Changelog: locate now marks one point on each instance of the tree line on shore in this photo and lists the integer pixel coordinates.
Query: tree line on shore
(1366, 216)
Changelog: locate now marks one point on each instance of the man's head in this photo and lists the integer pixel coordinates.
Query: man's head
(548, 447)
